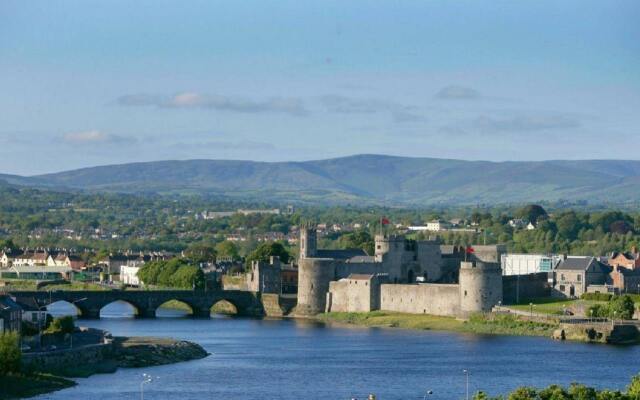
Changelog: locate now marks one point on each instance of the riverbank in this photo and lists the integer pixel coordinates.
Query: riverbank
(48, 371)
(29, 385)
(501, 324)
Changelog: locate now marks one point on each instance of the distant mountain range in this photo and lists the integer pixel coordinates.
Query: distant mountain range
(364, 179)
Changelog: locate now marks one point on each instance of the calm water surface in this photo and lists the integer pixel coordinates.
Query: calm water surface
(283, 359)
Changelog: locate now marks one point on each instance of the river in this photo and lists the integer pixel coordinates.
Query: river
(289, 359)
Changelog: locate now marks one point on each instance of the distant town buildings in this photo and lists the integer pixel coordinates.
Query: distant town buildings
(206, 215)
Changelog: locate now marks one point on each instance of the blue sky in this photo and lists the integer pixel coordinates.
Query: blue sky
(86, 83)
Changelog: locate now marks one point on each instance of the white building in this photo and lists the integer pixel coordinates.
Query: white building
(523, 264)
(129, 275)
(438, 225)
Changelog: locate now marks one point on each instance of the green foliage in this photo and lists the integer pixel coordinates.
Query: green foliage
(357, 240)
(554, 392)
(227, 249)
(523, 393)
(633, 390)
(62, 325)
(531, 212)
(174, 273)
(201, 253)
(598, 311)
(581, 392)
(265, 251)
(188, 277)
(7, 244)
(10, 353)
(480, 396)
(620, 307)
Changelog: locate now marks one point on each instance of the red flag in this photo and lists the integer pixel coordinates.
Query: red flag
(385, 221)
(469, 250)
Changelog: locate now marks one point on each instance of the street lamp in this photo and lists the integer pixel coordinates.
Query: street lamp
(530, 310)
(71, 334)
(146, 378)
(466, 373)
(40, 308)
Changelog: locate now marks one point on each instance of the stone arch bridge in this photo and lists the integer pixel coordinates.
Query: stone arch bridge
(146, 302)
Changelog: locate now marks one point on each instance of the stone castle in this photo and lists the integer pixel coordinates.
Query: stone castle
(351, 280)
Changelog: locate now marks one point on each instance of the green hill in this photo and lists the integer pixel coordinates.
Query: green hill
(365, 178)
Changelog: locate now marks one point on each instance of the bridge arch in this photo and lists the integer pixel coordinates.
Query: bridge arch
(175, 308)
(225, 307)
(60, 308)
(119, 309)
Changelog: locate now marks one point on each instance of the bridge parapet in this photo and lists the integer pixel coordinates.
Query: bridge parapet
(146, 302)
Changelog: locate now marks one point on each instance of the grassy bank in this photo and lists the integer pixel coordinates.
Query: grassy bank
(22, 386)
(555, 306)
(478, 324)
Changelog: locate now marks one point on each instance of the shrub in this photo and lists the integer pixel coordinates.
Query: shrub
(598, 311)
(596, 296)
(621, 307)
(10, 354)
(62, 325)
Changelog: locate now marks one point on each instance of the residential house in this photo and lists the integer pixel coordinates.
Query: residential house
(10, 315)
(628, 260)
(438, 225)
(517, 223)
(625, 280)
(574, 274)
(33, 313)
(31, 258)
(8, 255)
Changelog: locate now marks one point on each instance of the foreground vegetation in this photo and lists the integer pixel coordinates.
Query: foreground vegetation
(477, 324)
(19, 385)
(16, 383)
(574, 392)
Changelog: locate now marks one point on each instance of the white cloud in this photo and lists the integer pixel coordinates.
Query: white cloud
(194, 100)
(347, 105)
(453, 92)
(92, 136)
(527, 123)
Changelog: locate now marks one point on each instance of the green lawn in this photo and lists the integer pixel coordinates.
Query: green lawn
(75, 286)
(554, 306)
(19, 284)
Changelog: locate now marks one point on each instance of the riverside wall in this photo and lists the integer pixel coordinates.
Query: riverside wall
(434, 299)
(67, 358)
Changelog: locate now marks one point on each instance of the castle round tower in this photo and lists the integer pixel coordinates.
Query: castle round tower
(308, 241)
(480, 286)
(314, 276)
